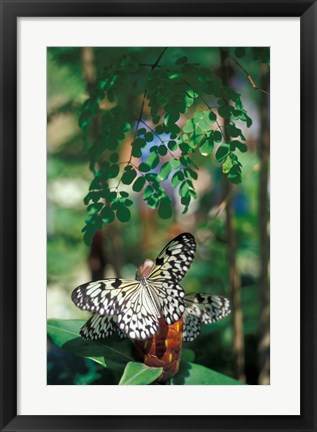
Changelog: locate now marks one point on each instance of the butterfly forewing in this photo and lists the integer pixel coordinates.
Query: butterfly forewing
(175, 259)
(202, 308)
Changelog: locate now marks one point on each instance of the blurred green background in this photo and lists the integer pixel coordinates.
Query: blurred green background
(121, 247)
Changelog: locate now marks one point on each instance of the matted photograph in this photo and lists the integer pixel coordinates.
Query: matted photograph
(158, 193)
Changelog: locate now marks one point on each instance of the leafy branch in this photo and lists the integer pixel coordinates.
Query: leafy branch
(164, 148)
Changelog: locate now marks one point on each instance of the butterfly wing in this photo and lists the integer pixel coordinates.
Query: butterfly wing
(170, 297)
(98, 327)
(174, 260)
(133, 308)
(202, 308)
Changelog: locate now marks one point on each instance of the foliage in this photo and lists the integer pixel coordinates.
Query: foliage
(116, 355)
(164, 143)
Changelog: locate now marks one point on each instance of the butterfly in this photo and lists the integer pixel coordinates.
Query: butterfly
(135, 306)
(200, 309)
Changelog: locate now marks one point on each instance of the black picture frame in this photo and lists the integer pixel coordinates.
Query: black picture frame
(10, 11)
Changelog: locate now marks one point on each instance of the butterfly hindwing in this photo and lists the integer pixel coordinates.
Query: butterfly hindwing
(191, 327)
(173, 262)
(98, 327)
(202, 309)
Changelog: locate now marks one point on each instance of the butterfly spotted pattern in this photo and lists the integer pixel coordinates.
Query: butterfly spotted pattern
(202, 309)
(135, 306)
(199, 309)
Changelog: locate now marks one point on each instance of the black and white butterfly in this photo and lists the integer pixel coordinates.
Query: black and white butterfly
(199, 309)
(135, 306)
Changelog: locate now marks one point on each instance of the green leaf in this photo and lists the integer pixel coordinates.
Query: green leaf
(148, 137)
(94, 208)
(212, 117)
(165, 208)
(222, 152)
(114, 157)
(113, 171)
(177, 178)
(227, 165)
(108, 353)
(128, 175)
(139, 374)
(139, 184)
(123, 213)
(175, 163)
(107, 215)
(162, 150)
(165, 171)
(207, 147)
(217, 136)
(144, 167)
(141, 131)
(153, 160)
(148, 191)
(195, 374)
(191, 173)
(233, 131)
(225, 111)
(240, 146)
(172, 145)
(183, 190)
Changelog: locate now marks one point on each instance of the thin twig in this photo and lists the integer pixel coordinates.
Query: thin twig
(249, 77)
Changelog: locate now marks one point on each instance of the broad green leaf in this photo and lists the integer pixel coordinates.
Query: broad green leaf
(144, 167)
(212, 117)
(175, 163)
(153, 160)
(225, 111)
(172, 145)
(111, 352)
(191, 173)
(177, 178)
(123, 213)
(94, 208)
(148, 191)
(139, 374)
(240, 146)
(139, 184)
(128, 175)
(207, 146)
(107, 215)
(113, 171)
(165, 208)
(227, 165)
(184, 188)
(148, 137)
(162, 150)
(217, 136)
(195, 374)
(222, 152)
(165, 171)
